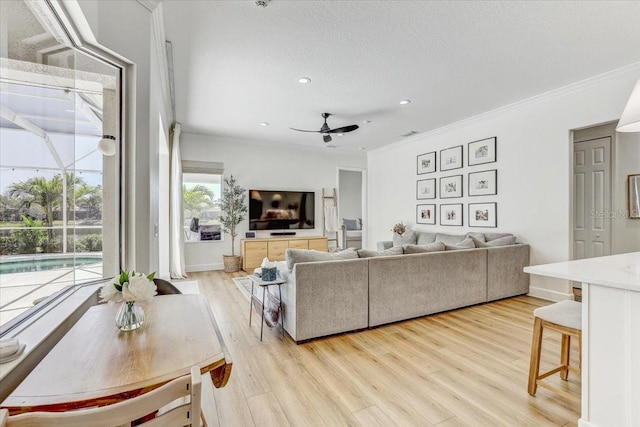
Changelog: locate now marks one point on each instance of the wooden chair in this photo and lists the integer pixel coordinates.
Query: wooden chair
(165, 287)
(564, 317)
(129, 410)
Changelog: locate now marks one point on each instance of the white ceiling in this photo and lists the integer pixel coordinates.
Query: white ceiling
(236, 65)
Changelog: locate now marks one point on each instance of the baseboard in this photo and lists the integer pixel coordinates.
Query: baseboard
(549, 294)
(584, 423)
(204, 267)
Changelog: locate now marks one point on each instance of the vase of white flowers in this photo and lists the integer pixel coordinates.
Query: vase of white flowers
(129, 288)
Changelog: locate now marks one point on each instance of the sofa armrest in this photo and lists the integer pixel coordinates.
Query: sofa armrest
(387, 244)
(505, 275)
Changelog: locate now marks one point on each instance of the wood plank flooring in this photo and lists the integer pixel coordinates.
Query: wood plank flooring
(467, 367)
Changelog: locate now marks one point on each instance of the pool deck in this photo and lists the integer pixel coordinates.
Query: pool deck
(18, 291)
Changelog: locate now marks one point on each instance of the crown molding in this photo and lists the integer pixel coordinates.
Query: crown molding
(534, 100)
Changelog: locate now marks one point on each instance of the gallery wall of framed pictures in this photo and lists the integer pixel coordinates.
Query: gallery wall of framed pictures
(479, 182)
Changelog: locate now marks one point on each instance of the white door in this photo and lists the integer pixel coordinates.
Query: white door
(592, 198)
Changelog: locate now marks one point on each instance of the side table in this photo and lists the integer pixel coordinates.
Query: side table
(255, 280)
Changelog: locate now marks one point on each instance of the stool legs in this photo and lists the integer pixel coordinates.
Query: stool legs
(536, 347)
(564, 356)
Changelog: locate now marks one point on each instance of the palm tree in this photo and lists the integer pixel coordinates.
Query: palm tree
(197, 199)
(46, 193)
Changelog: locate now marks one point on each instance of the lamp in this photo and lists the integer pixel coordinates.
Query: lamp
(107, 145)
(630, 119)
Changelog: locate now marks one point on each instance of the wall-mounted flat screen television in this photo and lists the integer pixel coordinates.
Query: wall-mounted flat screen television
(281, 210)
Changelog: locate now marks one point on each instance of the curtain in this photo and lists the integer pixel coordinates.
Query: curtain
(176, 229)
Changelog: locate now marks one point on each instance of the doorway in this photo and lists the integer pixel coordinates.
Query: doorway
(352, 207)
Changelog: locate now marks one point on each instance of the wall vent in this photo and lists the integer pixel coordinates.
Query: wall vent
(410, 133)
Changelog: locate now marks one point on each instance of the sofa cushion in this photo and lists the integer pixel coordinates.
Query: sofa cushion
(294, 256)
(351, 224)
(476, 236)
(501, 241)
(408, 238)
(493, 236)
(450, 239)
(419, 249)
(364, 253)
(424, 238)
(467, 243)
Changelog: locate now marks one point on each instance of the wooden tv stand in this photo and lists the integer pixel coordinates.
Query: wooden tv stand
(255, 250)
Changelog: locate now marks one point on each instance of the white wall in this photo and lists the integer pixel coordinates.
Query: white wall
(266, 167)
(533, 153)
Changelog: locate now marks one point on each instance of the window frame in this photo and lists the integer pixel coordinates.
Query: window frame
(207, 168)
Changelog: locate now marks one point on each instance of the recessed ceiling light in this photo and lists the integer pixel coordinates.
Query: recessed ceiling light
(304, 80)
(405, 102)
(339, 134)
(264, 124)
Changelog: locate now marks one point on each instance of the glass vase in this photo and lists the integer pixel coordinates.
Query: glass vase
(130, 316)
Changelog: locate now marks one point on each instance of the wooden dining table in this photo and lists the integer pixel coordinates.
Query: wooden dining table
(96, 364)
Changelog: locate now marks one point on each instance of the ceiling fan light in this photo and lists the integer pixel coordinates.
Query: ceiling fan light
(630, 118)
(326, 138)
(107, 145)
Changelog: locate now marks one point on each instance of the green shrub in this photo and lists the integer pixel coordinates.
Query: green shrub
(31, 237)
(89, 243)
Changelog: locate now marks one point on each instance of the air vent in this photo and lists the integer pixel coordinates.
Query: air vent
(410, 133)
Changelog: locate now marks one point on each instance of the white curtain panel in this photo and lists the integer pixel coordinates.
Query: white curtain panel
(176, 239)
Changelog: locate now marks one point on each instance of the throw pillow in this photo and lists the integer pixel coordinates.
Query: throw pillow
(408, 238)
(364, 253)
(502, 241)
(493, 236)
(450, 239)
(350, 224)
(294, 256)
(424, 238)
(467, 243)
(476, 236)
(420, 249)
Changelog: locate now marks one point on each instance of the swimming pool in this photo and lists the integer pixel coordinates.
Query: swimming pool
(53, 262)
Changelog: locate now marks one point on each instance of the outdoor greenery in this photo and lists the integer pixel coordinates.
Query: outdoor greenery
(32, 207)
(233, 207)
(197, 200)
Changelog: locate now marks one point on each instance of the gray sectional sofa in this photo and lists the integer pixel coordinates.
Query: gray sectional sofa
(343, 292)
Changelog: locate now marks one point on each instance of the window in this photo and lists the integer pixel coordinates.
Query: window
(201, 193)
(56, 189)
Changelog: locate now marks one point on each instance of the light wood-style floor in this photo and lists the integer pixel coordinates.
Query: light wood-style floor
(466, 367)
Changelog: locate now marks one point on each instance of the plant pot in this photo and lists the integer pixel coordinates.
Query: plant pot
(231, 263)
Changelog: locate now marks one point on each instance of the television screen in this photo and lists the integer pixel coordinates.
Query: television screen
(281, 210)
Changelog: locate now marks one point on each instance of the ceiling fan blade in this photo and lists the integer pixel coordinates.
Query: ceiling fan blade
(326, 138)
(303, 130)
(344, 129)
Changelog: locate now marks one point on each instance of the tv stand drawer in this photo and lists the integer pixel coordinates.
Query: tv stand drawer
(255, 250)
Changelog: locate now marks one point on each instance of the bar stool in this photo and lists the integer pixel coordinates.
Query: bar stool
(564, 317)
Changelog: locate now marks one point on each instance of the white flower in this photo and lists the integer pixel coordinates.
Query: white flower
(109, 293)
(139, 288)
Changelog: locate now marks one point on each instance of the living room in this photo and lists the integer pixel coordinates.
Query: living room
(463, 367)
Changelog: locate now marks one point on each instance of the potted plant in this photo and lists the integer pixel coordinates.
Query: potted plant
(233, 208)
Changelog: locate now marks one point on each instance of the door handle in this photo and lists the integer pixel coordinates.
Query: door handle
(597, 235)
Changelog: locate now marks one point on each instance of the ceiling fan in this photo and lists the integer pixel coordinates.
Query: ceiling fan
(325, 130)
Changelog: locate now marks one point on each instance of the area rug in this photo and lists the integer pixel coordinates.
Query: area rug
(272, 311)
(190, 286)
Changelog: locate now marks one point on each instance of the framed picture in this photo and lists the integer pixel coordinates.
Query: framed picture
(427, 163)
(426, 189)
(451, 158)
(483, 215)
(483, 151)
(451, 187)
(483, 183)
(633, 200)
(451, 214)
(426, 214)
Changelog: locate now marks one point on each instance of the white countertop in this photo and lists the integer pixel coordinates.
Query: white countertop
(617, 271)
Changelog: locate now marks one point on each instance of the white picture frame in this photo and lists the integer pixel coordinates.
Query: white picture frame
(451, 158)
(426, 214)
(483, 215)
(483, 183)
(426, 163)
(451, 214)
(482, 151)
(451, 187)
(426, 189)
